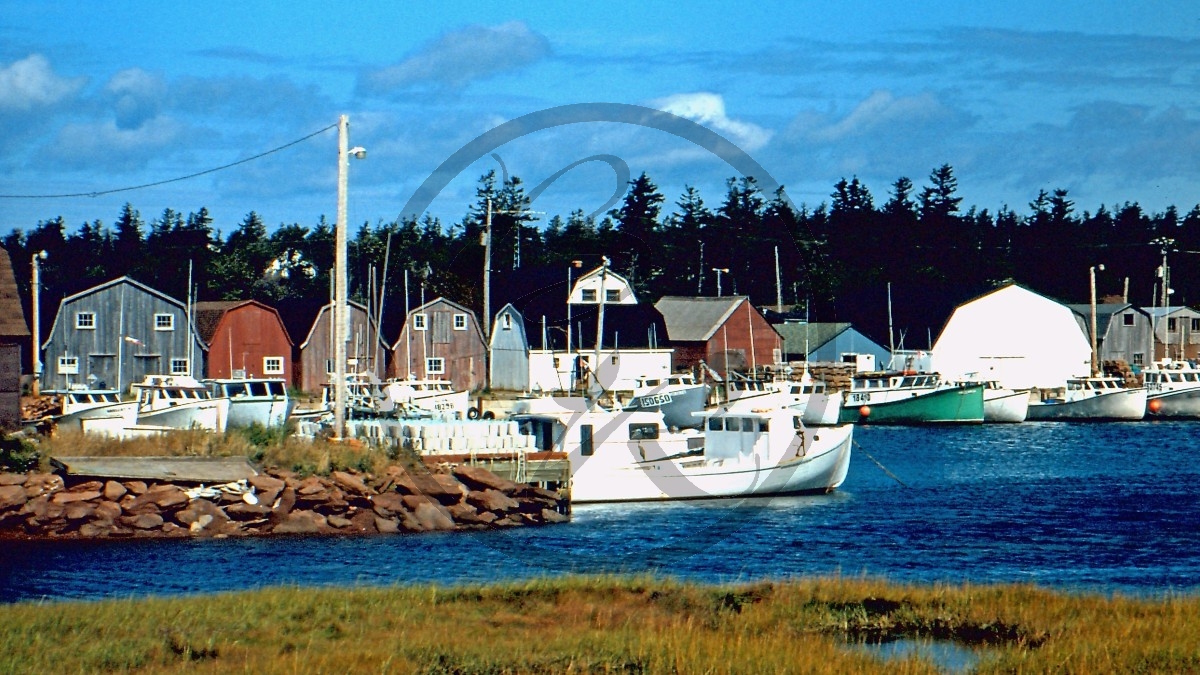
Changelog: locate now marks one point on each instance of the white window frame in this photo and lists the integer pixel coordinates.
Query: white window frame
(420, 322)
(272, 365)
(181, 367)
(460, 321)
(506, 322)
(68, 365)
(164, 321)
(435, 365)
(587, 295)
(85, 321)
(612, 295)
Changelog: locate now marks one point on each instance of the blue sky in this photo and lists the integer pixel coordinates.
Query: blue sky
(1101, 98)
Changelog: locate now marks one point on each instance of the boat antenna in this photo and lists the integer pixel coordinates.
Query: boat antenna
(891, 339)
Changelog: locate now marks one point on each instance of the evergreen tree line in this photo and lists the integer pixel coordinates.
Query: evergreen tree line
(835, 260)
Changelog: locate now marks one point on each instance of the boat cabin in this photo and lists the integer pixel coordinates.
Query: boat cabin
(881, 381)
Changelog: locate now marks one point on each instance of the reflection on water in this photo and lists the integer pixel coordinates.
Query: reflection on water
(946, 655)
(1108, 507)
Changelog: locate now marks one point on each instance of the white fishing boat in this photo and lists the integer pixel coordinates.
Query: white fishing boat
(262, 401)
(82, 405)
(1094, 398)
(1001, 404)
(179, 402)
(679, 396)
(631, 455)
(818, 405)
(1172, 389)
(431, 394)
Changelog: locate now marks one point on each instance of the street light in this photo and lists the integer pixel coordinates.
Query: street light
(35, 385)
(1092, 279)
(341, 278)
(720, 271)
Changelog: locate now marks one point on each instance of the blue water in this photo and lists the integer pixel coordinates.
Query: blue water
(1078, 507)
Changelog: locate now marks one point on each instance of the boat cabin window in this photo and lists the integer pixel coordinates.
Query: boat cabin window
(1074, 385)
(796, 423)
(1189, 377)
(733, 424)
(1175, 377)
(652, 383)
(258, 389)
(643, 431)
(714, 424)
(276, 388)
(908, 382)
(764, 426)
(748, 423)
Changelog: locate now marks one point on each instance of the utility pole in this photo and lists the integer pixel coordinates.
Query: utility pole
(1095, 355)
(341, 310)
(35, 384)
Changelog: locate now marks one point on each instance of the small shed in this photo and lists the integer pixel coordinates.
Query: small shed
(1123, 331)
(509, 367)
(245, 339)
(1014, 336)
(826, 342)
(14, 335)
(441, 339)
(1176, 332)
(116, 334)
(726, 332)
(366, 351)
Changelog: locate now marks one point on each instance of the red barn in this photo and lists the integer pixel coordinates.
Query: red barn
(727, 333)
(244, 338)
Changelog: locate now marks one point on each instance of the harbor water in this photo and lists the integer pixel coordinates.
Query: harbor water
(1077, 507)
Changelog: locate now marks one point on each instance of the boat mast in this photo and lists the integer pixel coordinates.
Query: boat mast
(891, 339)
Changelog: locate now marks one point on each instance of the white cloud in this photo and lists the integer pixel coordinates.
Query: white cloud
(462, 56)
(31, 83)
(138, 96)
(708, 109)
(106, 144)
(880, 111)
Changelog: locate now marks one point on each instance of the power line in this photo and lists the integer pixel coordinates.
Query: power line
(174, 180)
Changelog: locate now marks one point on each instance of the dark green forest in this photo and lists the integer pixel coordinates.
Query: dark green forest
(836, 259)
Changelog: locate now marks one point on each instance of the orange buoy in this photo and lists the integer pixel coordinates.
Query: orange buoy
(1154, 405)
(865, 411)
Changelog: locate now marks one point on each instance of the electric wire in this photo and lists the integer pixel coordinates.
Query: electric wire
(174, 180)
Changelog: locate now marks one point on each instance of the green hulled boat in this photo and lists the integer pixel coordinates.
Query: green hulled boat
(910, 398)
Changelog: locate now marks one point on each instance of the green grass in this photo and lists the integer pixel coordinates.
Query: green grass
(601, 625)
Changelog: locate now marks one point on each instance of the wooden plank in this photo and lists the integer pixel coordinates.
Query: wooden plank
(170, 469)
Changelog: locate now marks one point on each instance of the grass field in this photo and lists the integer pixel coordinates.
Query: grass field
(602, 625)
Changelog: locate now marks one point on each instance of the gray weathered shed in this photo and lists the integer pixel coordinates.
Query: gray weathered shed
(116, 334)
(510, 351)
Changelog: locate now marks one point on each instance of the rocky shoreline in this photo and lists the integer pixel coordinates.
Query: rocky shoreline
(45, 506)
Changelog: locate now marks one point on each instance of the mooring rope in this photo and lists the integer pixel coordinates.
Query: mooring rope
(878, 464)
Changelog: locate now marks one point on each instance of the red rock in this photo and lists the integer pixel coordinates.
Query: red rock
(196, 510)
(350, 483)
(338, 521)
(301, 522)
(432, 518)
(492, 500)
(386, 525)
(38, 484)
(145, 521)
(73, 497)
(465, 514)
(284, 504)
(95, 529)
(12, 479)
(311, 486)
(79, 511)
(113, 491)
(137, 487)
(363, 521)
(427, 484)
(90, 486)
(107, 510)
(478, 479)
(12, 496)
(388, 504)
(265, 483)
(244, 511)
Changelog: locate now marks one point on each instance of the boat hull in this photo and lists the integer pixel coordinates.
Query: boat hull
(678, 406)
(1177, 403)
(210, 415)
(1005, 406)
(823, 468)
(268, 412)
(949, 405)
(126, 411)
(1127, 404)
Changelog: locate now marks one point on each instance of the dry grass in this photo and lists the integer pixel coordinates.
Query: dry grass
(273, 448)
(593, 625)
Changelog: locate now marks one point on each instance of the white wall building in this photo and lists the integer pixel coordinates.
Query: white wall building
(1014, 336)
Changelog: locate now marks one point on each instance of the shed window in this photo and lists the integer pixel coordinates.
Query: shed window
(68, 365)
(164, 322)
(272, 365)
(420, 322)
(460, 322)
(506, 322)
(85, 321)
(180, 367)
(1139, 359)
(1172, 325)
(1127, 318)
(612, 295)
(588, 294)
(435, 366)
(1196, 325)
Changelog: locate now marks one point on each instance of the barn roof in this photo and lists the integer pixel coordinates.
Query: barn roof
(208, 316)
(12, 315)
(696, 319)
(795, 334)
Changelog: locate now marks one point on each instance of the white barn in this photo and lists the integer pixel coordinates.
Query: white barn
(1014, 336)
